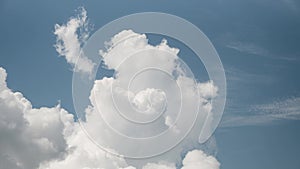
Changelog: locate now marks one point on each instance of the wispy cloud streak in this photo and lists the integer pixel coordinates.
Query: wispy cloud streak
(264, 114)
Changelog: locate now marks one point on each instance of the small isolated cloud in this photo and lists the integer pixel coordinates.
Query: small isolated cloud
(69, 42)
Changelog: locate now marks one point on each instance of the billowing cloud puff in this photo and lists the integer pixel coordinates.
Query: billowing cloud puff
(69, 42)
(196, 159)
(48, 138)
(84, 154)
(135, 92)
(148, 80)
(29, 136)
(159, 166)
(57, 142)
(44, 137)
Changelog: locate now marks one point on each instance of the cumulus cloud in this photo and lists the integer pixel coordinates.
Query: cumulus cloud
(48, 138)
(69, 41)
(57, 142)
(44, 138)
(84, 154)
(159, 166)
(143, 93)
(134, 87)
(195, 159)
(29, 135)
(198, 160)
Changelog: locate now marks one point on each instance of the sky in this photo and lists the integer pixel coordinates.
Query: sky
(257, 41)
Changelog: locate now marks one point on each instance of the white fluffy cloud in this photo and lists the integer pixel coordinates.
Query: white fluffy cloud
(198, 160)
(48, 138)
(84, 154)
(195, 159)
(28, 135)
(149, 92)
(45, 137)
(174, 90)
(55, 141)
(69, 42)
(159, 166)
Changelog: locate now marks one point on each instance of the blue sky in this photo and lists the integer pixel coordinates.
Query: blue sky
(257, 41)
